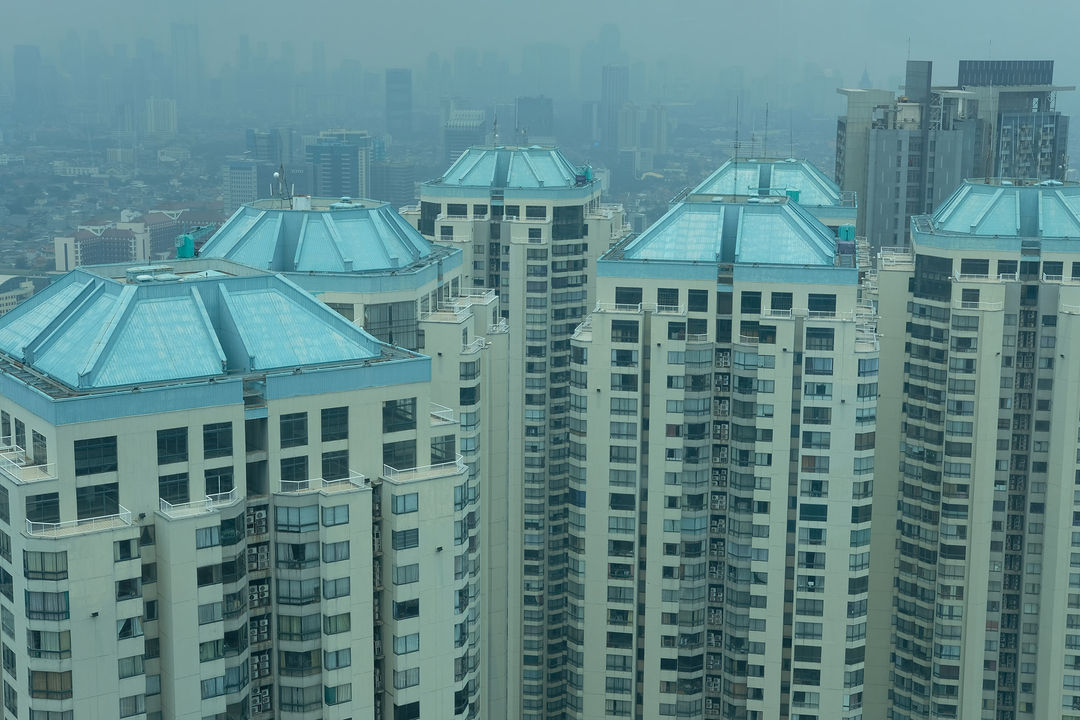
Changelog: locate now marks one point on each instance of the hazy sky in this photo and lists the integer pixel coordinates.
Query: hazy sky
(844, 35)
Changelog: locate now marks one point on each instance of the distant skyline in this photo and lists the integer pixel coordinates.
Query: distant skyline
(845, 36)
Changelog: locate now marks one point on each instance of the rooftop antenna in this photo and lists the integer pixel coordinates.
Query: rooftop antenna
(282, 184)
(765, 142)
(791, 133)
(735, 175)
(495, 129)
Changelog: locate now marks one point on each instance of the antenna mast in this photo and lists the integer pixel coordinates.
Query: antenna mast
(735, 175)
(765, 142)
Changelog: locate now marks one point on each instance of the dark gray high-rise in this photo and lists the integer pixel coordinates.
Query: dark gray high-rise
(399, 103)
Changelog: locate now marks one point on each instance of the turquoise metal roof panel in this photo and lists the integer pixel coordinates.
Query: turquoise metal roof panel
(90, 332)
(360, 238)
(997, 209)
(765, 177)
(776, 232)
(278, 332)
(511, 167)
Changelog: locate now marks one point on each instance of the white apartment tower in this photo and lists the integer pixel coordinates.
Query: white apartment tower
(530, 226)
(979, 501)
(723, 399)
(221, 499)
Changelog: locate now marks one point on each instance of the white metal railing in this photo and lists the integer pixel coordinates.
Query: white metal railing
(977, 305)
(441, 413)
(670, 309)
(76, 527)
(208, 503)
(776, 313)
(1013, 276)
(618, 307)
(473, 347)
(1070, 309)
(13, 464)
(434, 470)
(699, 337)
(354, 479)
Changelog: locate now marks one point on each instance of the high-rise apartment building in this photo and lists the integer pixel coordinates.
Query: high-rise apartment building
(399, 104)
(530, 226)
(462, 130)
(220, 498)
(365, 262)
(341, 164)
(977, 506)
(904, 155)
(244, 180)
(534, 120)
(614, 95)
(723, 398)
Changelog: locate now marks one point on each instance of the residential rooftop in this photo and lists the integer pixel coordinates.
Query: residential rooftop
(88, 332)
(799, 179)
(322, 235)
(1007, 208)
(533, 168)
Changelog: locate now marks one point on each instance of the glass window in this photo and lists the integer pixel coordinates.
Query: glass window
(294, 430)
(294, 469)
(173, 489)
(297, 519)
(219, 480)
(335, 551)
(217, 440)
(335, 515)
(45, 565)
(400, 455)
(406, 503)
(172, 445)
(335, 424)
(97, 501)
(335, 464)
(399, 415)
(334, 624)
(95, 455)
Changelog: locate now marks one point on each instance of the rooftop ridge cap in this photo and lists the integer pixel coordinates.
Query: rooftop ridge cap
(48, 334)
(468, 152)
(379, 225)
(737, 252)
(1068, 208)
(301, 238)
(107, 337)
(532, 168)
(998, 192)
(211, 331)
(225, 226)
(330, 223)
(397, 226)
(231, 315)
(821, 241)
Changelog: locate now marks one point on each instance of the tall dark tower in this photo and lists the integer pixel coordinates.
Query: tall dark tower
(399, 108)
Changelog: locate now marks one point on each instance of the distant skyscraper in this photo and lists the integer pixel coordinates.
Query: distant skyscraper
(351, 175)
(186, 65)
(614, 94)
(399, 103)
(244, 181)
(160, 116)
(28, 72)
(534, 119)
(462, 130)
(394, 181)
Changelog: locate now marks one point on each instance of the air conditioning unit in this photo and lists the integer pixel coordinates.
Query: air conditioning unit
(260, 514)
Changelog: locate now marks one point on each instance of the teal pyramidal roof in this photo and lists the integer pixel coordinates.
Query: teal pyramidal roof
(1048, 209)
(774, 177)
(513, 167)
(89, 332)
(768, 230)
(319, 235)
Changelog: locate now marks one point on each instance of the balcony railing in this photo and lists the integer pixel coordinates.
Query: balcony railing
(209, 503)
(79, 527)
(351, 481)
(424, 471)
(441, 415)
(13, 464)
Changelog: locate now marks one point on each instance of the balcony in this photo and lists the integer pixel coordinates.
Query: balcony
(441, 415)
(69, 528)
(210, 503)
(13, 464)
(352, 481)
(424, 472)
